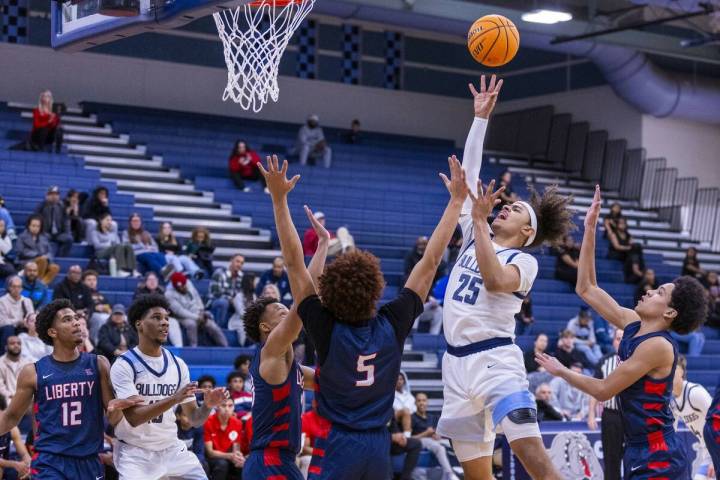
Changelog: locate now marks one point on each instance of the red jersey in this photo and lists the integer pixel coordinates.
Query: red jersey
(44, 120)
(244, 164)
(223, 439)
(314, 426)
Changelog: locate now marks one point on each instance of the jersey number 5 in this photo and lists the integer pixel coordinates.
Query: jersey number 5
(472, 284)
(369, 370)
(71, 412)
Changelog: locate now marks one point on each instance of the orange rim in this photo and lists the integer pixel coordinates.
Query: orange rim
(277, 3)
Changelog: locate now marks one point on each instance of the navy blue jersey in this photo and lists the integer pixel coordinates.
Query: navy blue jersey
(645, 404)
(359, 365)
(68, 406)
(276, 409)
(711, 432)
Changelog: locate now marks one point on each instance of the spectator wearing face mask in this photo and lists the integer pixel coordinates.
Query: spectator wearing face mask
(311, 143)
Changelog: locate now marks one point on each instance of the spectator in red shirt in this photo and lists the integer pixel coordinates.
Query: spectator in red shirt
(241, 399)
(243, 165)
(46, 124)
(340, 244)
(223, 434)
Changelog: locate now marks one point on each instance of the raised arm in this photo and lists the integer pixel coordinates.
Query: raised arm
(483, 105)
(421, 277)
(587, 287)
(317, 264)
(21, 401)
(113, 406)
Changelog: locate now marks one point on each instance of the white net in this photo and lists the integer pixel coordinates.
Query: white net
(254, 40)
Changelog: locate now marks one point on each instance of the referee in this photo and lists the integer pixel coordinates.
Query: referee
(611, 424)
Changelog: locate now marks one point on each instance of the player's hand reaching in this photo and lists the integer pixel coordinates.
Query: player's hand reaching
(456, 184)
(214, 397)
(276, 177)
(321, 231)
(551, 364)
(486, 98)
(23, 469)
(185, 392)
(123, 403)
(593, 213)
(484, 203)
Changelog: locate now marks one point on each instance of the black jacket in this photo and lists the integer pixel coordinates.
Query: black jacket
(53, 213)
(80, 295)
(109, 338)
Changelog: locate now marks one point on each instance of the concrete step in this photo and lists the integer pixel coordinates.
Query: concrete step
(136, 151)
(76, 138)
(215, 226)
(88, 129)
(150, 186)
(119, 162)
(131, 173)
(168, 199)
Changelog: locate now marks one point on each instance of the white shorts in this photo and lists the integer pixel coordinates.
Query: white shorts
(135, 463)
(479, 391)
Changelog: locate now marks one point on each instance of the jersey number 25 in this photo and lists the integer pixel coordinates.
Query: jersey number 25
(472, 284)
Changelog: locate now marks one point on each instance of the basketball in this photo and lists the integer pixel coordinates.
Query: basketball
(493, 40)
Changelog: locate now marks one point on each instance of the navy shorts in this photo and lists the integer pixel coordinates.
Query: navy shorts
(711, 434)
(48, 466)
(271, 463)
(643, 463)
(351, 455)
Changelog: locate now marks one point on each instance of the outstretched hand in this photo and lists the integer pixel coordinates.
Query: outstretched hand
(276, 177)
(456, 184)
(486, 99)
(484, 203)
(213, 397)
(321, 231)
(551, 364)
(593, 213)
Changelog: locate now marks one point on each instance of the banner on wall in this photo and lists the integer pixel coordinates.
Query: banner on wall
(576, 452)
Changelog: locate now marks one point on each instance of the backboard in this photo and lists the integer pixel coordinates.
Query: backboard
(79, 26)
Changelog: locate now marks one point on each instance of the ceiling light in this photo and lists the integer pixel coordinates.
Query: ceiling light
(546, 16)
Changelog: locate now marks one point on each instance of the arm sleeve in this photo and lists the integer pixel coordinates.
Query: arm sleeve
(402, 312)
(318, 323)
(122, 379)
(472, 157)
(527, 265)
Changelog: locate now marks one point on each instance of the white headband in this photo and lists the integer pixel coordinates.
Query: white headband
(533, 222)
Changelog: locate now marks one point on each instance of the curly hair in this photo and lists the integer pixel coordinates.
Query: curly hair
(253, 316)
(690, 299)
(46, 316)
(554, 215)
(142, 304)
(351, 286)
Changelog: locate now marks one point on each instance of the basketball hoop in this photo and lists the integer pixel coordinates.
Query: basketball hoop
(253, 48)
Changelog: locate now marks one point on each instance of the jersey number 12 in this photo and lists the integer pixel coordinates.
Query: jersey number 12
(369, 370)
(71, 412)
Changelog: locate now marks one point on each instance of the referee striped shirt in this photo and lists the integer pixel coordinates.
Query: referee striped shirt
(605, 367)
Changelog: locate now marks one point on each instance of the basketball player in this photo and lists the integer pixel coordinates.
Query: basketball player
(277, 378)
(484, 378)
(643, 382)
(712, 430)
(70, 391)
(148, 446)
(690, 404)
(360, 348)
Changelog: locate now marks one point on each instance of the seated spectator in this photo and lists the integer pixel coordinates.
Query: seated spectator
(101, 307)
(341, 243)
(151, 285)
(33, 349)
(94, 208)
(631, 254)
(46, 130)
(105, 240)
(582, 327)
(225, 286)
(74, 290)
(243, 165)
(271, 291)
(200, 249)
(192, 437)
(546, 410)
(566, 352)
(604, 335)
(116, 336)
(524, 318)
(71, 204)
(33, 288)
(649, 282)
(7, 218)
(34, 245)
(223, 431)
(10, 365)
(278, 277)
(311, 143)
(572, 402)
(242, 365)
(171, 247)
(692, 342)
(423, 428)
(432, 313)
(404, 403)
(401, 443)
(146, 250)
(507, 196)
(539, 347)
(56, 225)
(245, 297)
(187, 307)
(236, 388)
(353, 135)
(691, 264)
(6, 254)
(611, 219)
(13, 309)
(87, 344)
(206, 381)
(566, 265)
(21, 460)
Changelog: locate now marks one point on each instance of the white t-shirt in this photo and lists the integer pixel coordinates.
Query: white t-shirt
(691, 407)
(153, 378)
(472, 314)
(33, 348)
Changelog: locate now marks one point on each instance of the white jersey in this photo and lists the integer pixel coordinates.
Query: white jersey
(472, 314)
(691, 407)
(153, 378)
